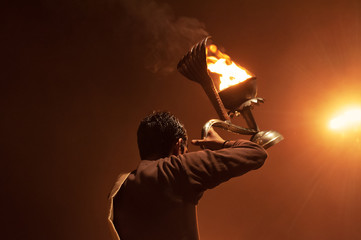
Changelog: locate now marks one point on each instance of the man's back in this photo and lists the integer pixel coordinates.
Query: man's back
(143, 209)
(158, 200)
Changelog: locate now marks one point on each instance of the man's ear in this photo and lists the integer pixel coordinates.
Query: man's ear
(177, 148)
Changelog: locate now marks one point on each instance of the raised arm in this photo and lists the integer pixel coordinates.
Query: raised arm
(193, 173)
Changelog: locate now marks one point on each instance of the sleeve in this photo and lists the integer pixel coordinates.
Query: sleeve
(192, 173)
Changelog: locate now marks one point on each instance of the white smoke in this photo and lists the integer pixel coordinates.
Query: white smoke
(167, 38)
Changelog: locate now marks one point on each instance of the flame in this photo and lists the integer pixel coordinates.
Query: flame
(229, 72)
(349, 119)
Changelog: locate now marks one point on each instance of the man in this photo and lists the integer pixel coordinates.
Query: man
(158, 200)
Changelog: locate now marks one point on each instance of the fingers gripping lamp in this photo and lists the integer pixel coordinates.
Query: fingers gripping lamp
(238, 98)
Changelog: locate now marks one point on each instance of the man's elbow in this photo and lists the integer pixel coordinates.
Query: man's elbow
(261, 158)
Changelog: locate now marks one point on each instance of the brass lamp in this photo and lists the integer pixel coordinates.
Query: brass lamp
(238, 99)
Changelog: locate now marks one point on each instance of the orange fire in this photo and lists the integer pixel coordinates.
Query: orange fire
(229, 72)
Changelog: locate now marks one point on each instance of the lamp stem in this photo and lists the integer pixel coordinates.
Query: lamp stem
(248, 116)
(217, 103)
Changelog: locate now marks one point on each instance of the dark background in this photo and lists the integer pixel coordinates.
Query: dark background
(78, 76)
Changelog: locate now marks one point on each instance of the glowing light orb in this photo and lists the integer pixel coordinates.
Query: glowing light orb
(350, 119)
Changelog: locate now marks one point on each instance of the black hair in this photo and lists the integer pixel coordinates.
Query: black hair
(157, 133)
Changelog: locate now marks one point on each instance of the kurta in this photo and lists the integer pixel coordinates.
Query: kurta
(158, 200)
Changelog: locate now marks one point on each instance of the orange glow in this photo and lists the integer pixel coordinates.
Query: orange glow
(229, 72)
(350, 119)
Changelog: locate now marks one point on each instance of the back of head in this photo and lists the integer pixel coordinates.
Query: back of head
(158, 133)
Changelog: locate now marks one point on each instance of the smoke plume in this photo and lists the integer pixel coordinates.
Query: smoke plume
(166, 37)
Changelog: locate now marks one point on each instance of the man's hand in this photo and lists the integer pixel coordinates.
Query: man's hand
(213, 141)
